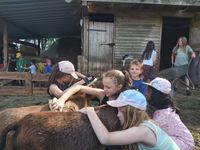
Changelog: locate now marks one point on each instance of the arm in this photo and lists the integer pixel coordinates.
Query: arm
(127, 136)
(172, 58)
(59, 103)
(193, 55)
(154, 58)
(53, 89)
(82, 76)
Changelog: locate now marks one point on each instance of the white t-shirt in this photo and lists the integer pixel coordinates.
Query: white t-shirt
(149, 62)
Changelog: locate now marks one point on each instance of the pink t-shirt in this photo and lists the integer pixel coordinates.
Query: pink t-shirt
(171, 123)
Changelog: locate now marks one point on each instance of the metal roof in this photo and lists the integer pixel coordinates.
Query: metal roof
(40, 18)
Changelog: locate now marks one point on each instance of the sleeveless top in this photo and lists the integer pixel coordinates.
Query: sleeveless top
(163, 141)
(149, 62)
(60, 86)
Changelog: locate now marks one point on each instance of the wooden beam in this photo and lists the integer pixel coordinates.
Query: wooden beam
(5, 47)
(25, 43)
(154, 2)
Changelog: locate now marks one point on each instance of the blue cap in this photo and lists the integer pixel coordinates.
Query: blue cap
(130, 97)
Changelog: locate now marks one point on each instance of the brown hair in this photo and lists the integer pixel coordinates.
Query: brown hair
(119, 77)
(55, 74)
(133, 117)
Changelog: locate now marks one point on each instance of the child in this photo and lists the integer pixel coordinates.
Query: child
(62, 78)
(32, 67)
(149, 60)
(138, 131)
(47, 66)
(20, 62)
(135, 70)
(114, 82)
(165, 113)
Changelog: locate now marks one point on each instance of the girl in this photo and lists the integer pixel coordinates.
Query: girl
(149, 60)
(138, 131)
(114, 81)
(180, 54)
(166, 114)
(62, 78)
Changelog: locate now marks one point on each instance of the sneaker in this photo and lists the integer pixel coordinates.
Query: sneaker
(90, 80)
(188, 93)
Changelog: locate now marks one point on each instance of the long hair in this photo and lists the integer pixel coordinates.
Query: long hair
(161, 100)
(184, 42)
(133, 117)
(55, 74)
(148, 50)
(119, 78)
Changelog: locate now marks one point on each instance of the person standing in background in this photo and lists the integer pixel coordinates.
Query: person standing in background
(149, 60)
(180, 57)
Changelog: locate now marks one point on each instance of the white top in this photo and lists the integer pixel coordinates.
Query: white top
(149, 62)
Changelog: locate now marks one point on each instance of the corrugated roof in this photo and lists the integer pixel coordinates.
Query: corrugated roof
(40, 18)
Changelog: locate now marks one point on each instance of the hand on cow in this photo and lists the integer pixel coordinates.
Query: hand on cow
(86, 110)
(57, 104)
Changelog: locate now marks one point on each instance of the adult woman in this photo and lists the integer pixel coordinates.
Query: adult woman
(149, 59)
(114, 81)
(166, 115)
(138, 131)
(180, 54)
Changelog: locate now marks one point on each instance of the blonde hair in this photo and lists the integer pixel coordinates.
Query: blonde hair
(119, 78)
(184, 42)
(136, 62)
(133, 117)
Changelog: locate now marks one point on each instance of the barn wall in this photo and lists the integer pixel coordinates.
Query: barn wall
(195, 32)
(132, 32)
(133, 28)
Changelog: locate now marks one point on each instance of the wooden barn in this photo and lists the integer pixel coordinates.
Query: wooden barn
(97, 34)
(114, 28)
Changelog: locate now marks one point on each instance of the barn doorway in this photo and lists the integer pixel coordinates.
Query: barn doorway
(172, 29)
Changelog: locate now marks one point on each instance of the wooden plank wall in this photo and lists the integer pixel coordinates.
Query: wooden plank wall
(28, 79)
(133, 31)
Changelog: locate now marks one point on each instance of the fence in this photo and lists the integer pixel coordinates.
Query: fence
(28, 79)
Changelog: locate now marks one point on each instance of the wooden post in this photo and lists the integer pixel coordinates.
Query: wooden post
(38, 53)
(5, 47)
(28, 83)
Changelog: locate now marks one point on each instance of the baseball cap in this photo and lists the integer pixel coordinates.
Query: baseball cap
(161, 84)
(67, 67)
(130, 97)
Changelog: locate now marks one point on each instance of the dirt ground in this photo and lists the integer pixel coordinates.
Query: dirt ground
(189, 106)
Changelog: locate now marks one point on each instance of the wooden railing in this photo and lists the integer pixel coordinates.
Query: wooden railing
(28, 81)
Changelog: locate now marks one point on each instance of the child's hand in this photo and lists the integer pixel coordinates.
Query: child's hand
(86, 110)
(57, 105)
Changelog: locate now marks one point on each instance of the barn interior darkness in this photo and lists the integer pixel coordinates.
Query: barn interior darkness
(172, 29)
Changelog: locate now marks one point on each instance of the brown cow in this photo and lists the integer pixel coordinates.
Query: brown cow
(13, 115)
(60, 130)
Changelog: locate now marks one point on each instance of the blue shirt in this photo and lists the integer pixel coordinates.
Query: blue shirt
(182, 55)
(47, 69)
(139, 86)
